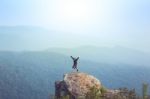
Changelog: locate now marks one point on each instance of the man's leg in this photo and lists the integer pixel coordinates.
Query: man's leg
(73, 66)
(76, 67)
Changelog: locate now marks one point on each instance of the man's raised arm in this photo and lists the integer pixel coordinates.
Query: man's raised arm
(72, 58)
(77, 58)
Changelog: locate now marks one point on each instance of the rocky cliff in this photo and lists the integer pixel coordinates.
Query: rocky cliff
(76, 84)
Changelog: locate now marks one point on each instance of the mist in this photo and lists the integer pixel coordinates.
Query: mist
(41, 24)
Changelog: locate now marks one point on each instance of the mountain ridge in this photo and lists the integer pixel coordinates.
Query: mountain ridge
(32, 74)
(111, 55)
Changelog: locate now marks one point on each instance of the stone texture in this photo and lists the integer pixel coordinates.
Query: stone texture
(111, 93)
(77, 84)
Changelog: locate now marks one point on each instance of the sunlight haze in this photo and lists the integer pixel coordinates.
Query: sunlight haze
(81, 22)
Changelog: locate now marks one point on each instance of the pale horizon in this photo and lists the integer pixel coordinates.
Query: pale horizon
(73, 23)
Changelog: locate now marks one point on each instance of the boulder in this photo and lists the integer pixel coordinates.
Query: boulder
(78, 84)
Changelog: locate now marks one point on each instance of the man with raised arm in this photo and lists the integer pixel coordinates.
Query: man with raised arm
(75, 62)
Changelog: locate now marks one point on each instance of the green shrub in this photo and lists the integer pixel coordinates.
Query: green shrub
(94, 93)
(103, 90)
(145, 91)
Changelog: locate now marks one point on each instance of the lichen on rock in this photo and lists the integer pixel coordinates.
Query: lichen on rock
(78, 83)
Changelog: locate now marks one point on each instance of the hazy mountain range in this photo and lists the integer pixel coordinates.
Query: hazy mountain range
(38, 38)
(18, 38)
(31, 74)
(24, 38)
(113, 55)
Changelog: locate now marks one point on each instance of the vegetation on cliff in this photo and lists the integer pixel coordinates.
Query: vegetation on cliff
(123, 93)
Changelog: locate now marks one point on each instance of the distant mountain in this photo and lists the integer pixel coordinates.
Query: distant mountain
(29, 38)
(23, 37)
(31, 75)
(114, 55)
(18, 38)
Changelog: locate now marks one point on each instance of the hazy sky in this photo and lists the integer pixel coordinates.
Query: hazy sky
(106, 22)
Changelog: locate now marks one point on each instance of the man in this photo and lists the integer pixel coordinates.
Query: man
(74, 62)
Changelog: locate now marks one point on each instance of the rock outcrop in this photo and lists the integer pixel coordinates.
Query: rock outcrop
(76, 84)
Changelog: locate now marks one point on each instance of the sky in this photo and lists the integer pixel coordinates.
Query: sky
(100, 22)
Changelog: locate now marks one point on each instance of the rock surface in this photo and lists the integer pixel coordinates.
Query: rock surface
(111, 93)
(78, 83)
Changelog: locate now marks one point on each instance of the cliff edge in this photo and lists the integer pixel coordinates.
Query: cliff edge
(76, 84)
(79, 85)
